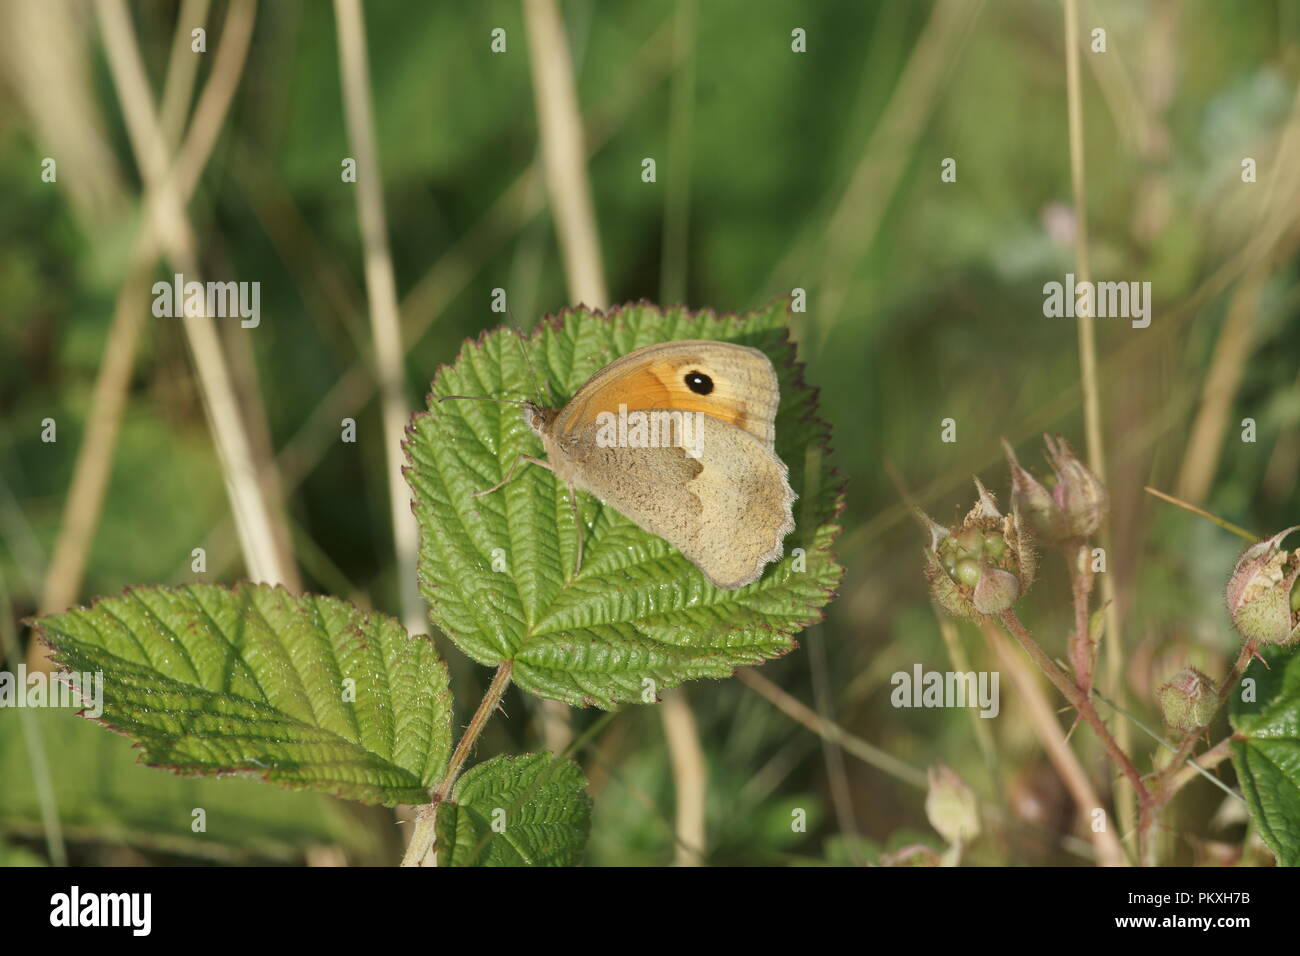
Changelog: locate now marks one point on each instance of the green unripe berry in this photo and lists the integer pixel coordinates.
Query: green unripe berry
(995, 546)
(971, 542)
(968, 572)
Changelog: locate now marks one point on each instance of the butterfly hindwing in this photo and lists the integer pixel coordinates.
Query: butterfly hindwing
(728, 511)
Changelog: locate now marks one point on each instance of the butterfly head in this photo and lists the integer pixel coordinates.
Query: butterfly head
(538, 418)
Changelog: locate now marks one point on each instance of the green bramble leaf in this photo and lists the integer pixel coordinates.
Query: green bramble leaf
(531, 810)
(256, 682)
(1267, 755)
(639, 618)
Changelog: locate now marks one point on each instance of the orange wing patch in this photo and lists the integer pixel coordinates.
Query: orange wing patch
(662, 385)
(743, 393)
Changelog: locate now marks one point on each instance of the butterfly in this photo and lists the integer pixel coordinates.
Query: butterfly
(678, 437)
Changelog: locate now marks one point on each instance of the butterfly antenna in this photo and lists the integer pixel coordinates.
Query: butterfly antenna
(532, 369)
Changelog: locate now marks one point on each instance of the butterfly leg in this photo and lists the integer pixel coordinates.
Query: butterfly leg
(510, 473)
(577, 523)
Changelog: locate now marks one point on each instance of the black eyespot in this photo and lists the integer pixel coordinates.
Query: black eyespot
(699, 383)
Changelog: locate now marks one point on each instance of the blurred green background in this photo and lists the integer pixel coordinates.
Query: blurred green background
(775, 170)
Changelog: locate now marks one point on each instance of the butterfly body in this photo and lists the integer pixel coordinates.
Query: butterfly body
(702, 471)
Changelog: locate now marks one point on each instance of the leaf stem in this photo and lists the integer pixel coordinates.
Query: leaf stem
(423, 836)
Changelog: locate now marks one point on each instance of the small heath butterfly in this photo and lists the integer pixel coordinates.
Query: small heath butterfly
(679, 438)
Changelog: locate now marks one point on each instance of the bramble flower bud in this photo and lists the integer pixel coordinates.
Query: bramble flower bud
(1263, 593)
(950, 806)
(1076, 504)
(984, 566)
(1188, 701)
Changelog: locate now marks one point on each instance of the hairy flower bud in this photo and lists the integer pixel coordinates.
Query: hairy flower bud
(950, 806)
(1188, 701)
(1077, 503)
(984, 566)
(1263, 593)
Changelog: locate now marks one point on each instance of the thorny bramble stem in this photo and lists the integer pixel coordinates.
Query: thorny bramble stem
(1082, 703)
(1077, 557)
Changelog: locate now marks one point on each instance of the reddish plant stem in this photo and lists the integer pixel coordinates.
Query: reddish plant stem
(1076, 557)
(1248, 649)
(1180, 757)
(1082, 702)
(1211, 758)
